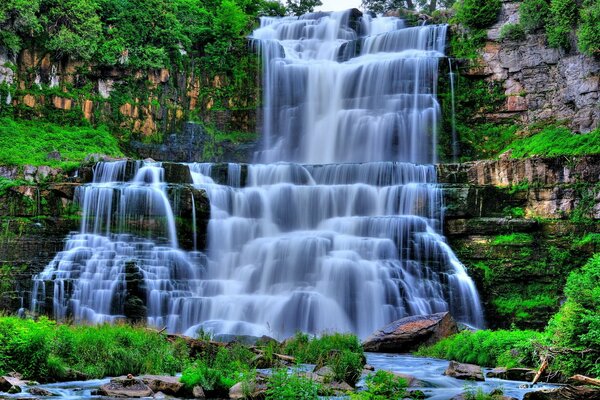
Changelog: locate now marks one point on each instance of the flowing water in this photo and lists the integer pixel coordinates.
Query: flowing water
(336, 228)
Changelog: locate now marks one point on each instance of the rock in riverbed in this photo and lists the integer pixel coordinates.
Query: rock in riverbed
(407, 334)
(565, 393)
(125, 387)
(469, 372)
(168, 385)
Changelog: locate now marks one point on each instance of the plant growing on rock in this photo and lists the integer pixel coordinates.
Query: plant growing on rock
(382, 385)
(563, 18)
(512, 32)
(477, 13)
(588, 35)
(533, 14)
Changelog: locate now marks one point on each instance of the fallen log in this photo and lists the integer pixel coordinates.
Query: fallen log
(585, 380)
(540, 371)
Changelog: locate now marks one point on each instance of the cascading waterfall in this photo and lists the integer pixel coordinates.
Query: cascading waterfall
(337, 228)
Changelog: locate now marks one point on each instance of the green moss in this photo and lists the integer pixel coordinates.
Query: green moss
(555, 141)
(513, 239)
(29, 142)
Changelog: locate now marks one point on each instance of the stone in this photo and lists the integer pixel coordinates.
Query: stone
(53, 155)
(38, 391)
(125, 387)
(326, 373)
(198, 392)
(565, 393)
(409, 333)
(469, 372)
(168, 385)
(256, 389)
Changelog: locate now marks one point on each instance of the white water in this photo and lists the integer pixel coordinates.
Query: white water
(329, 247)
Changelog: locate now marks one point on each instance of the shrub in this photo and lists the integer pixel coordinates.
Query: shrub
(555, 141)
(478, 13)
(562, 20)
(533, 14)
(588, 34)
(513, 239)
(382, 385)
(512, 32)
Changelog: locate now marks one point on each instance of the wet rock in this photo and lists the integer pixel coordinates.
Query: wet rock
(37, 391)
(198, 392)
(565, 393)
(125, 387)
(177, 173)
(326, 373)
(168, 385)
(409, 333)
(11, 384)
(464, 371)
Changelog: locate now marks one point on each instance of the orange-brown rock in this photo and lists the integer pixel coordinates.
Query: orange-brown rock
(62, 103)
(29, 100)
(409, 333)
(87, 107)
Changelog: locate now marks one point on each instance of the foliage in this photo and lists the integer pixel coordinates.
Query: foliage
(555, 141)
(512, 239)
(221, 372)
(576, 326)
(29, 142)
(589, 239)
(520, 309)
(382, 385)
(478, 394)
(18, 20)
(477, 14)
(284, 386)
(489, 348)
(512, 32)
(563, 18)
(533, 14)
(42, 349)
(301, 7)
(588, 34)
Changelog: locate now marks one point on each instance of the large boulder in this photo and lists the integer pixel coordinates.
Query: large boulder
(469, 372)
(565, 393)
(407, 334)
(125, 387)
(168, 385)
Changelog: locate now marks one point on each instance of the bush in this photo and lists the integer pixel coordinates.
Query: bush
(512, 32)
(588, 34)
(478, 13)
(555, 141)
(576, 327)
(284, 386)
(489, 348)
(382, 385)
(533, 14)
(563, 18)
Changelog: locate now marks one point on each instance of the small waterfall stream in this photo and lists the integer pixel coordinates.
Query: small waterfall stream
(336, 228)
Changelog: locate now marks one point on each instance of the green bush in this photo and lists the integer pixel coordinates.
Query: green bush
(489, 348)
(382, 385)
(533, 14)
(512, 32)
(477, 13)
(284, 386)
(563, 18)
(513, 239)
(555, 141)
(576, 327)
(588, 34)
(521, 309)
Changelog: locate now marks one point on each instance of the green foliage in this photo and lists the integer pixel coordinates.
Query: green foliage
(489, 348)
(589, 239)
(477, 14)
(486, 140)
(18, 20)
(42, 349)
(533, 14)
(301, 7)
(478, 394)
(588, 34)
(555, 141)
(219, 373)
(521, 309)
(512, 32)
(576, 326)
(382, 385)
(513, 239)
(29, 142)
(563, 18)
(284, 386)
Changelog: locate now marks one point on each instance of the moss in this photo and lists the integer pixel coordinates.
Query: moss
(514, 239)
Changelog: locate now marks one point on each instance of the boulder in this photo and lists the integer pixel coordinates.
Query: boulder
(469, 372)
(11, 384)
(408, 334)
(37, 391)
(198, 392)
(522, 374)
(125, 387)
(168, 385)
(565, 393)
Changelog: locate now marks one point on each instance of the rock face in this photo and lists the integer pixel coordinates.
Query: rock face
(125, 387)
(409, 333)
(565, 393)
(464, 371)
(540, 83)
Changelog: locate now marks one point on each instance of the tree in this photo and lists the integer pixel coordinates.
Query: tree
(383, 6)
(18, 18)
(301, 7)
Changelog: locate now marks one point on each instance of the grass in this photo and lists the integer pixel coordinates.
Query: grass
(513, 239)
(30, 142)
(555, 141)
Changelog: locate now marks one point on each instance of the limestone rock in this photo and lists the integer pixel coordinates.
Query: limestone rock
(168, 385)
(198, 392)
(565, 393)
(409, 333)
(125, 387)
(464, 371)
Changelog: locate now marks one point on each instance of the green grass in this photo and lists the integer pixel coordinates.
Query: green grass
(44, 350)
(29, 142)
(513, 239)
(555, 141)
(489, 348)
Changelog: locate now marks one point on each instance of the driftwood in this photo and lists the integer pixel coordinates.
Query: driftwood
(585, 380)
(540, 371)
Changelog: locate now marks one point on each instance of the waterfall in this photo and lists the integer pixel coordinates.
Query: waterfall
(337, 227)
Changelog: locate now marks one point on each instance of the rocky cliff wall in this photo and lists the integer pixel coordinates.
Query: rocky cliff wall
(540, 83)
